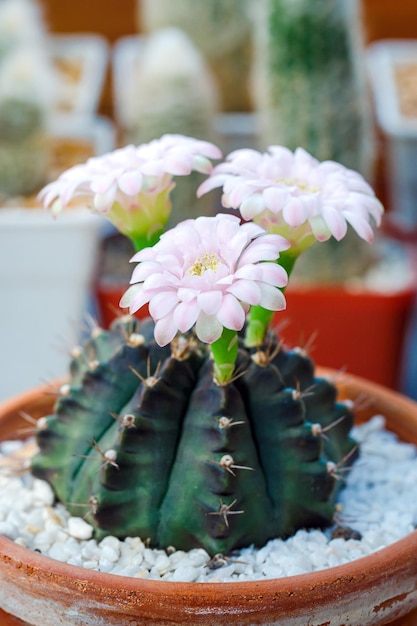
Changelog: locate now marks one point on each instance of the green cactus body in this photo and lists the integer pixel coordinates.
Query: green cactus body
(310, 84)
(221, 29)
(24, 151)
(153, 447)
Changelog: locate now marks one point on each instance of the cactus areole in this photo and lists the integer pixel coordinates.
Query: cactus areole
(143, 442)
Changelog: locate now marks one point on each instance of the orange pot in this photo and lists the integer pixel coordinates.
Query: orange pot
(361, 332)
(375, 589)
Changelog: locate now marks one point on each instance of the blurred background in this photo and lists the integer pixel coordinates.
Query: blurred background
(77, 79)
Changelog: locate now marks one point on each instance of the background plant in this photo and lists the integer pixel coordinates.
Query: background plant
(27, 81)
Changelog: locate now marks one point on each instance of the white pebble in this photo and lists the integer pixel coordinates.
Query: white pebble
(185, 574)
(28, 517)
(109, 553)
(9, 530)
(79, 528)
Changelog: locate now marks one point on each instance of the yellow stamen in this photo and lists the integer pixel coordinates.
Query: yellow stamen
(208, 261)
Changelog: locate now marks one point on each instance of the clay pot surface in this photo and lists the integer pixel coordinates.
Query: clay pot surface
(375, 589)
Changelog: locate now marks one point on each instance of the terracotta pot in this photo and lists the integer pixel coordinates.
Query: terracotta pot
(336, 317)
(375, 589)
(108, 298)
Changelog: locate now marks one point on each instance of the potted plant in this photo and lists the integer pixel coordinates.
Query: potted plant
(195, 429)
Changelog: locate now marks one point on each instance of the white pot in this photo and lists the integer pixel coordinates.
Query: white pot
(46, 269)
(81, 61)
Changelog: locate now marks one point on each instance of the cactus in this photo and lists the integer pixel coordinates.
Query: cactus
(145, 444)
(26, 95)
(221, 29)
(21, 24)
(310, 83)
(172, 91)
(310, 91)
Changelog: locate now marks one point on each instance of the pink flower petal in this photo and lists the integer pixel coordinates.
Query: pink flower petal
(361, 226)
(165, 330)
(246, 291)
(162, 304)
(252, 206)
(185, 315)
(294, 212)
(271, 298)
(129, 296)
(210, 302)
(131, 182)
(144, 270)
(275, 198)
(208, 328)
(335, 221)
(231, 313)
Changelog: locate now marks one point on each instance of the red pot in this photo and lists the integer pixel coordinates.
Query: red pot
(373, 590)
(108, 298)
(361, 332)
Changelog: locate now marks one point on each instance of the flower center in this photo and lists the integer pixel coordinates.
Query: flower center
(301, 185)
(208, 261)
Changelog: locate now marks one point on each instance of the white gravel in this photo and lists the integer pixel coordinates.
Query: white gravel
(386, 473)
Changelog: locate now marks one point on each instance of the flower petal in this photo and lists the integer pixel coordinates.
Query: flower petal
(165, 330)
(162, 303)
(208, 328)
(246, 291)
(271, 298)
(231, 313)
(210, 302)
(185, 315)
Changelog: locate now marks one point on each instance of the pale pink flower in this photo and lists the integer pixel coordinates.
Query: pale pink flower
(131, 185)
(206, 273)
(296, 191)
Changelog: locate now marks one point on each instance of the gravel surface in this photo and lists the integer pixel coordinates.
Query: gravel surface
(386, 472)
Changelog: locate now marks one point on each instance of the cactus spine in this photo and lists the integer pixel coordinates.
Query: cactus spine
(145, 439)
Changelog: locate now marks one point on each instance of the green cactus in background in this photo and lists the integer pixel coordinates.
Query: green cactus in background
(172, 91)
(310, 91)
(146, 444)
(309, 78)
(26, 95)
(221, 29)
(24, 155)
